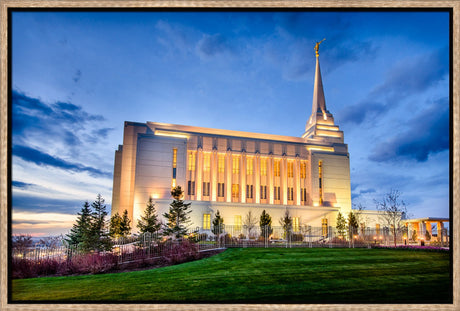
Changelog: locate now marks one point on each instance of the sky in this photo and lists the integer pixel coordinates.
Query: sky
(77, 76)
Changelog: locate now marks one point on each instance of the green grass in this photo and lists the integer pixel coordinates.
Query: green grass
(252, 275)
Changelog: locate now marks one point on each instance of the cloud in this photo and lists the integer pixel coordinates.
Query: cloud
(427, 133)
(406, 78)
(20, 184)
(40, 158)
(212, 45)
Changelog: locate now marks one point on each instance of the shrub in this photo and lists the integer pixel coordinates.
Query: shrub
(180, 251)
(296, 237)
(225, 239)
(90, 263)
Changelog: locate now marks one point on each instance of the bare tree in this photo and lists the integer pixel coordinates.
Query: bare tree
(391, 211)
(21, 243)
(250, 222)
(361, 218)
(52, 242)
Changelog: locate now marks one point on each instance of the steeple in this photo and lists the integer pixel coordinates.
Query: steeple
(321, 122)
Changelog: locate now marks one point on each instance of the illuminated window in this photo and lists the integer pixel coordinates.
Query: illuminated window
(263, 192)
(290, 171)
(191, 161)
(290, 193)
(235, 191)
(263, 167)
(221, 164)
(191, 188)
(206, 221)
(303, 170)
(174, 167)
(276, 168)
(220, 189)
(276, 192)
(295, 224)
(320, 181)
(250, 166)
(249, 191)
(324, 227)
(236, 165)
(206, 189)
(377, 229)
(238, 222)
(303, 194)
(207, 162)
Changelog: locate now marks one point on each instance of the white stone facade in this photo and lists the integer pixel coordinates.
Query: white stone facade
(236, 172)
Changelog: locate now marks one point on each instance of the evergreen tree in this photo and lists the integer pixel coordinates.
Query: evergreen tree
(286, 223)
(80, 232)
(99, 239)
(217, 224)
(178, 215)
(265, 224)
(341, 225)
(116, 226)
(149, 221)
(125, 224)
(352, 225)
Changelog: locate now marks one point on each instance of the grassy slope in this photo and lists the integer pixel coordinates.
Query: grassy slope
(265, 276)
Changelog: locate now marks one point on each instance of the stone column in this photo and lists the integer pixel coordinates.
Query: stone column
(214, 175)
(270, 178)
(242, 180)
(283, 180)
(257, 177)
(297, 180)
(199, 174)
(228, 176)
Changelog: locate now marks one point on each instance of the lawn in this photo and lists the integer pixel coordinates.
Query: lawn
(258, 275)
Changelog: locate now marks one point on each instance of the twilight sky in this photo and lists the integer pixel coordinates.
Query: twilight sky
(77, 76)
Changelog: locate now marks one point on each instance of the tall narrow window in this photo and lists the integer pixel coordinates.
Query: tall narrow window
(320, 177)
(249, 191)
(290, 193)
(236, 165)
(263, 192)
(174, 167)
(276, 168)
(191, 161)
(263, 167)
(303, 194)
(377, 229)
(303, 170)
(324, 227)
(206, 186)
(207, 162)
(250, 166)
(221, 164)
(206, 221)
(290, 171)
(276, 193)
(191, 188)
(235, 191)
(295, 224)
(220, 189)
(237, 222)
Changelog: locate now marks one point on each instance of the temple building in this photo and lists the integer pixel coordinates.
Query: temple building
(236, 172)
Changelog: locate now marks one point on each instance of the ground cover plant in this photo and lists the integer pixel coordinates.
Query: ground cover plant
(258, 275)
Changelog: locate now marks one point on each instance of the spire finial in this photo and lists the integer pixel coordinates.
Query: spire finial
(317, 46)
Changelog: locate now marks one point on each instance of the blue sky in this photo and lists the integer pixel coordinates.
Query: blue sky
(77, 76)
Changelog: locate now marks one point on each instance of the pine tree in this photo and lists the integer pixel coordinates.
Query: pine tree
(341, 225)
(125, 224)
(178, 216)
(265, 224)
(115, 226)
(149, 221)
(99, 239)
(80, 231)
(352, 225)
(286, 223)
(217, 223)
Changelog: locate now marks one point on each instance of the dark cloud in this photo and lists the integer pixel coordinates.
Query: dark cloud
(404, 79)
(211, 45)
(20, 184)
(355, 195)
(359, 112)
(414, 76)
(40, 158)
(427, 133)
(77, 76)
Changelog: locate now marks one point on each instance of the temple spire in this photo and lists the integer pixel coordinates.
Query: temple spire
(320, 125)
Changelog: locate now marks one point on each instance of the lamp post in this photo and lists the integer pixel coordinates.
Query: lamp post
(375, 240)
